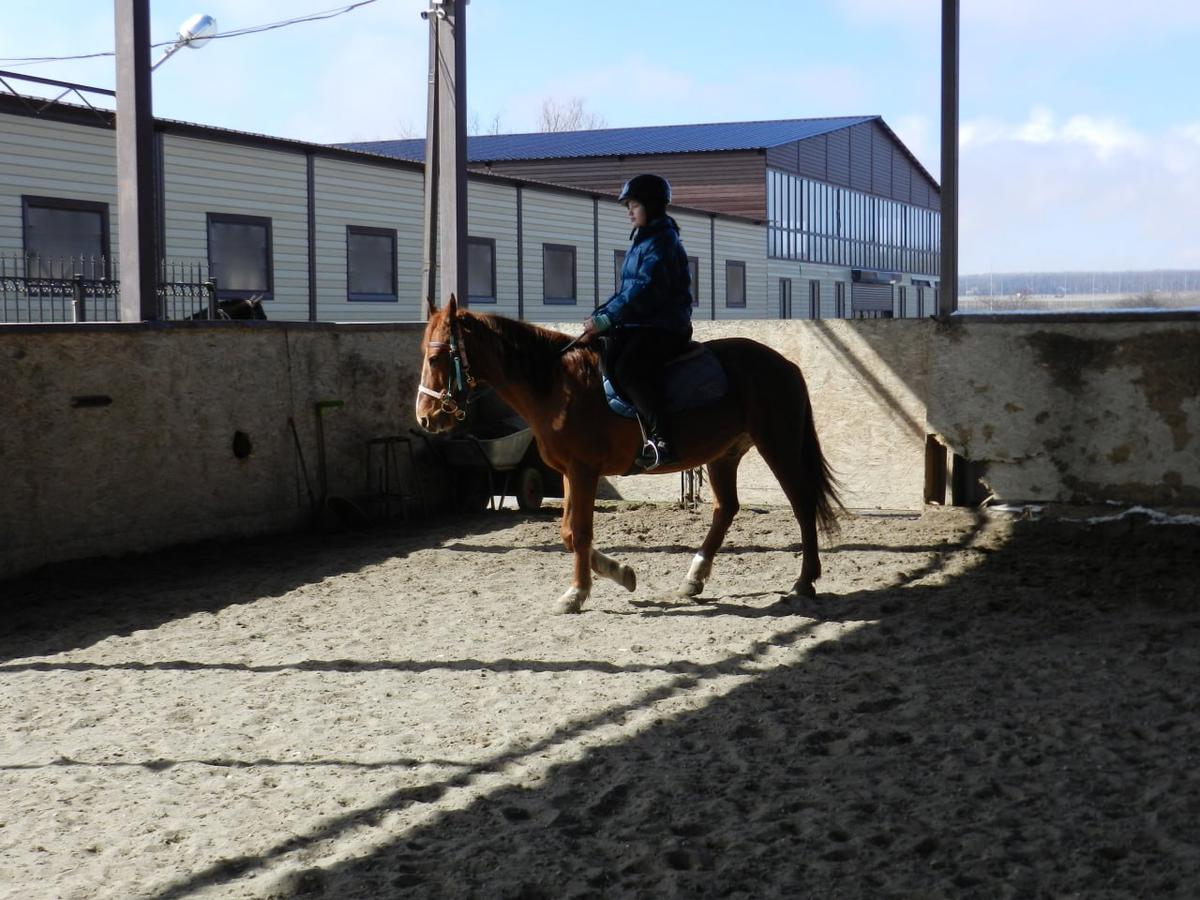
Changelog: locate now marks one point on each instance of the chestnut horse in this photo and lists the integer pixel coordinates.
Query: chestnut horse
(560, 394)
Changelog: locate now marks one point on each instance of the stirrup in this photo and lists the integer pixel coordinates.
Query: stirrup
(654, 453)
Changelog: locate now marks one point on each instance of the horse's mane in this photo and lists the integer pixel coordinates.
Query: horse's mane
(533, 355)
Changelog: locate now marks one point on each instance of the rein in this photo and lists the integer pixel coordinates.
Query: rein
(460, 377)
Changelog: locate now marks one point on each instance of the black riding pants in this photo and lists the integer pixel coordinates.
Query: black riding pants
(634, 359)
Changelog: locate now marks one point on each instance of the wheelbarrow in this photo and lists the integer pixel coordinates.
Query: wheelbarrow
(497, 465)
(494, 455)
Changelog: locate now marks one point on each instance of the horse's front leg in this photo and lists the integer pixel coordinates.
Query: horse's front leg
(607, 567)
(578, 505)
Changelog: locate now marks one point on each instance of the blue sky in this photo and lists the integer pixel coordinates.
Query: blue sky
(1080, 129)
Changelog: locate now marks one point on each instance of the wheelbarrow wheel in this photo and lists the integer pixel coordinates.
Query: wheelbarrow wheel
(530, 489)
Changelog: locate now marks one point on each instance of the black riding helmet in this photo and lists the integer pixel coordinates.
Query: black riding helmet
(652, 191)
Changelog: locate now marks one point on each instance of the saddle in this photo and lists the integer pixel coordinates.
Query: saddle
(693, 379)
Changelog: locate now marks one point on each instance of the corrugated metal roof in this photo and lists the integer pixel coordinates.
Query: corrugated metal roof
(625, 141)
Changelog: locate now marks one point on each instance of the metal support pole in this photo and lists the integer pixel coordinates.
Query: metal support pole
(210, 288)
(77, 298)
(452, 147)
(429, 258)
(948, 288)
(138, 242)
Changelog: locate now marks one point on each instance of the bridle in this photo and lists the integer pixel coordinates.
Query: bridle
(461, 377)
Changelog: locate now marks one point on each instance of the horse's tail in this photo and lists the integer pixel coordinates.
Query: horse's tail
(819, 481)
(818, 485)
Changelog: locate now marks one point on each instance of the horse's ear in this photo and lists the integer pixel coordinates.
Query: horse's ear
(432, 308)
(452, 307)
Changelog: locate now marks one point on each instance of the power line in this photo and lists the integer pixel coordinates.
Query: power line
(237, 32)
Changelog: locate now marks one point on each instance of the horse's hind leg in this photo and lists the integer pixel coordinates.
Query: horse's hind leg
(788, 469)
(722, 479)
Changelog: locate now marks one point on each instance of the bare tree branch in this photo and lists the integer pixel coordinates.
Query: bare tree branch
(473, 126)
(405, 129)
(568, 116)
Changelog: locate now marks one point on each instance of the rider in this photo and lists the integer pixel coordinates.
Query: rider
(649, 319)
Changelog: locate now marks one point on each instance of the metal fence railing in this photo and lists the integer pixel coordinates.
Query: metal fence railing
(84, 289)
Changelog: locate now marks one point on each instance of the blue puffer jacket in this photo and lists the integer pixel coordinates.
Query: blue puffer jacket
(656, 285)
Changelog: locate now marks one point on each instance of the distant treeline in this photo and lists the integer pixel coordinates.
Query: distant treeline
(1067, 283)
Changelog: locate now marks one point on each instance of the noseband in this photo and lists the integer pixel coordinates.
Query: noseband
(461, 377)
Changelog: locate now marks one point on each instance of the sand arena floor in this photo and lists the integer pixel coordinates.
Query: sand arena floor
(974, 707)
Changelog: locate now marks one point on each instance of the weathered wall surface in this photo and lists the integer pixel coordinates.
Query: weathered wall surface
(1056, 412)
(156, 466)
(1079, 412)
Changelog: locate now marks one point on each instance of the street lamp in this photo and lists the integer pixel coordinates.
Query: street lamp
(195, 33)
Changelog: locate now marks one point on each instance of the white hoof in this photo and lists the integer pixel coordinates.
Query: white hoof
(698, 573)
(628, 578)
(570, 602)
(608, 567)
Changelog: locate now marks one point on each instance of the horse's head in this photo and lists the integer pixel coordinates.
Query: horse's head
(445, 376)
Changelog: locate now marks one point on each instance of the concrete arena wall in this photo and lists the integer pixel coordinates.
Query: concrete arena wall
(1089, 412)
(1082, 412)
(156, 466)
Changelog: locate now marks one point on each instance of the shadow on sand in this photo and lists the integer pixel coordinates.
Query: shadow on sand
(1030, 728)
(52, 609)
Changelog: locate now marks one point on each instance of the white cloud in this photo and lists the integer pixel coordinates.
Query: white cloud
(1103, 135)
(1085, 193)
(921, 136)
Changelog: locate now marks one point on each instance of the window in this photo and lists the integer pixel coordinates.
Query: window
(839, 295)
(785, 298)
(65, 237)
(694, 271)
(814, 299)
(618, 265)
(558, 273)
(903, 295)
(239, 255)
(481, 270)
(735, 284)
(370, 264)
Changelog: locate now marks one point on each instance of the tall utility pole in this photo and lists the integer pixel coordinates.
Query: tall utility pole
(430, 219)
(948, 296)
(138, 236)
(446, 148)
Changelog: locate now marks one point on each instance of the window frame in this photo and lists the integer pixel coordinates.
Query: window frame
(731, 265)
(362, 296)
(474, 298)
(212, 218)
(814, 298)
(573, 300)
(69, 204)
